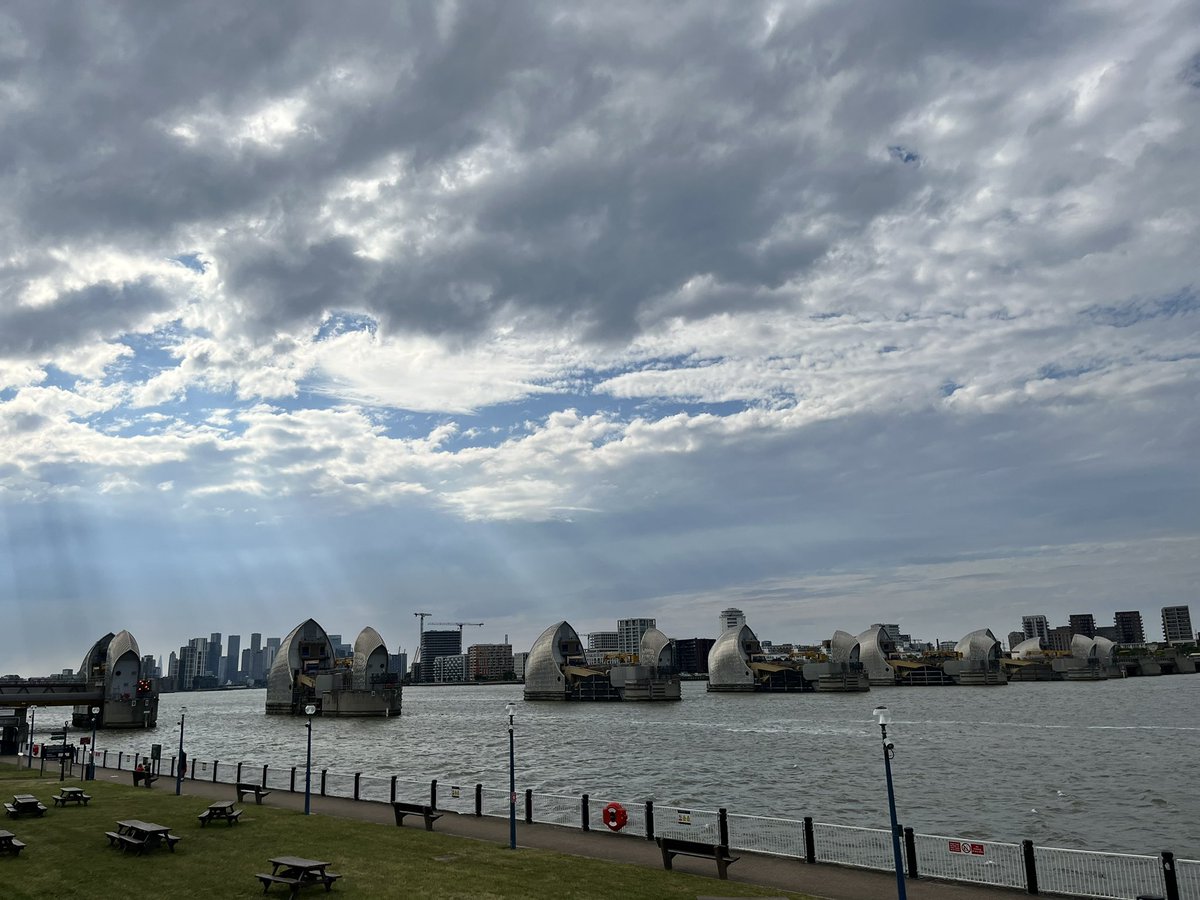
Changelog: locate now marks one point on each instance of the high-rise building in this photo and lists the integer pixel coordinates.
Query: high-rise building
(1035, 626)
(398, 663)
(731, 618)
(1083, 623)
(1129, 627)
(1059, 638)
(692, 654)
(436, 643)
(269, 651)
(519, 664)
(232, 657)
(212, 655)
(256, 669)
(629, 634)
(489, 661)
(1109, 632)
(192, 663)
(603, 641)
(450, 668)
(1014, 638)
(1177, 625)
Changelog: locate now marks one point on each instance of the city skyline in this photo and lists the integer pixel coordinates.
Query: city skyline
(521, 312)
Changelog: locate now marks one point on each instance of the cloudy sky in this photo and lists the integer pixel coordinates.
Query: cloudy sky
(515, 312)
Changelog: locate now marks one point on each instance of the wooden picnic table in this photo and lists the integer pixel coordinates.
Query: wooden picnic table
(67, 795)
(222, 809)
(296, 872)
(24, 805)
(9, 843)
(134, 834)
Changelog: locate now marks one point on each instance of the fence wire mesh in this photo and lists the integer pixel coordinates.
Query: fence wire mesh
(410, 790)
(555, 809)
(459, 798)
(1187, 872)
(635, 815)
(763, 834)
(495, 803)
(689, 824)
(963, 859)
(1085, 873)
(863, 848)
(375, 787)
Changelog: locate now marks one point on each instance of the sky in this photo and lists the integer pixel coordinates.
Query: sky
(516, 312)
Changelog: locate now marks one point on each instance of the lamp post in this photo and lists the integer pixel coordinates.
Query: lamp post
(309, 711)
(91, 764)
(179, 763)
(884, 718)
(512, 780)
(32, 716)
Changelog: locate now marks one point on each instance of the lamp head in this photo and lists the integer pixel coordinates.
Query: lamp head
(95, 710)
(882, 716)
(182, 710)
(510, 709)
(310, 710)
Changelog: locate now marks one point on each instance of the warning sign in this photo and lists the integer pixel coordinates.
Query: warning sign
(685, 817)
(968, 847)
(454, 792)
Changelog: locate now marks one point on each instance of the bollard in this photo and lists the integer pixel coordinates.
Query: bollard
(478, 800)
(528, 806)
(910, 851)
(324, 772)
(393, 789)
(292, 781)
(810, 842)
(1031, 885)
(649, 820)
(723, 825)
(357, 776)
(583, 809)
(433, 795)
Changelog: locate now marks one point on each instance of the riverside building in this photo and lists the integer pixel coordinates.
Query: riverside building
(1177, 625)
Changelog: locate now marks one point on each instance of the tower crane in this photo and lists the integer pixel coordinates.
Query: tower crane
(459, 624)
(422, 616)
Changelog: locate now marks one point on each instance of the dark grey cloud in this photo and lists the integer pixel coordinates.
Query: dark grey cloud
(77, 317)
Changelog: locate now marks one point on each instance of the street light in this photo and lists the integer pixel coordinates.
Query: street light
(180, 762)
(309, 711)
(92, 749)
(511, 709)
(32, 716)
(884, 718)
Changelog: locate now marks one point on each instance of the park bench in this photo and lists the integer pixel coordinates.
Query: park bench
(672, 847)
(402, 809)
(148, 777)
(259, 791)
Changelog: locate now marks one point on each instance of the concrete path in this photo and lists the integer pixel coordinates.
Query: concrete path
(823, 881)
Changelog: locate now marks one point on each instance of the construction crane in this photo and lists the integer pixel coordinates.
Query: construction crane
(459, 624)
(421, 642)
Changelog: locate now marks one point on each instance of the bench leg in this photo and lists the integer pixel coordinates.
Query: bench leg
(428, 823)
(722, 869)
(667, 854)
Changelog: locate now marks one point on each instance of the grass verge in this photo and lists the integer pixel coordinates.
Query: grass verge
(67, 855)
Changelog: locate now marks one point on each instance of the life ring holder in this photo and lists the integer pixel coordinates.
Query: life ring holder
(615, 816)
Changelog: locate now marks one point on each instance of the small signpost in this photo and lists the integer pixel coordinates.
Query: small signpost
(966, 847)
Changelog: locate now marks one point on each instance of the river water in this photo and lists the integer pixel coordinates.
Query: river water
(1098, 766)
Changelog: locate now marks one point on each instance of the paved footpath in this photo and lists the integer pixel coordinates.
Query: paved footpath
(824, 881)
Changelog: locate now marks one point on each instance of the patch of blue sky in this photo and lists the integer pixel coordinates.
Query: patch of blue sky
(191, 261)
(342, 322)
(7, 394)
(1142, 309)
(56, 377)
(1056, 372)
(196, 407)
(151, 355)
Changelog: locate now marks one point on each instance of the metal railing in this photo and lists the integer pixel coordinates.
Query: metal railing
(1048, 870)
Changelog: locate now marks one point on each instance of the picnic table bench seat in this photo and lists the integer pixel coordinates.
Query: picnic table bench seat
(327, 878)
(64, 799)
(126, 841)
(672, 847)
(259, 791)
(424, 810)
(16, 846)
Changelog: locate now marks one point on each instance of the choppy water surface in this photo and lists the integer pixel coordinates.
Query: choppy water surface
(1104, 766)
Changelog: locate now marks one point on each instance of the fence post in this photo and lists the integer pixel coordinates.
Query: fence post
(393, 789)
(583, 810)
(1169, 880)
(433, 795)
(292, 781)
(239, 772)
(215, 761)
(324, 772)
(105, 758)
(649, 820)
(1031, 885)
(171, 773)
(810, 842)
(264, 781)
(478, 800)
(910, 851)
(120, 754)
(723, 825)
(528, 806)
(357, 775)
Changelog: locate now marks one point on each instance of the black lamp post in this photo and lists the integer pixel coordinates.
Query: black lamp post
(309, 711)
(179, 764)
(512, 780)
(889, 750)
(32, 716)
(91, 760)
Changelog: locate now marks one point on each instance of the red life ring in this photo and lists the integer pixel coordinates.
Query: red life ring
(37, 749)
(615, 816)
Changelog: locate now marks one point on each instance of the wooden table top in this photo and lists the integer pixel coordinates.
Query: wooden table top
(297, 862)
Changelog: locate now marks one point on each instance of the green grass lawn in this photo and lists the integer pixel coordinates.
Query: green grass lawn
(67, 855)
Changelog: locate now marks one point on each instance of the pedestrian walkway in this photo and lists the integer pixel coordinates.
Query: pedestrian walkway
(823, 881)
